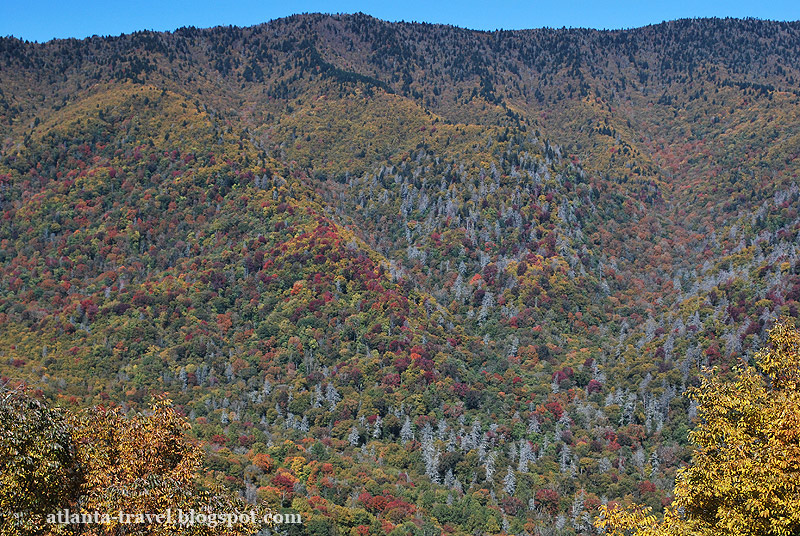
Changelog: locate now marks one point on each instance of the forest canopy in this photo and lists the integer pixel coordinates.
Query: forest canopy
(402, 279)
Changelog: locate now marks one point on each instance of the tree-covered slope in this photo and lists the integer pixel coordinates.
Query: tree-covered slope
(403, 277)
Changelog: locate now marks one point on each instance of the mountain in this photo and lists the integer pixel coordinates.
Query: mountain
(447, 280)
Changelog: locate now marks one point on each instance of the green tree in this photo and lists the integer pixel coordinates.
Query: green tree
(39, 469)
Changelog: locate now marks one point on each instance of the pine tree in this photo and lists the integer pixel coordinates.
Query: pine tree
(406, 432)
(354, 437)
(488, 466)
(510, 482)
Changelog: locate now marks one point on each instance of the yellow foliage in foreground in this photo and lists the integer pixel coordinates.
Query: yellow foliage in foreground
(744, 479)
(127, 469)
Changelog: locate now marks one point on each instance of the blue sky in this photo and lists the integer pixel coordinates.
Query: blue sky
(41, 20)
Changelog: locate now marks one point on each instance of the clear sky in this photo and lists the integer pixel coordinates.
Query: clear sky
(41, 20)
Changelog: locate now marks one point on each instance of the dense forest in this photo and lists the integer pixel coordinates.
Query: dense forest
(401, 278)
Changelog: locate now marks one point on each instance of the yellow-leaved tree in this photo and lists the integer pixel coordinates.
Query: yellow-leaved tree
(744, 479)
(133, 468)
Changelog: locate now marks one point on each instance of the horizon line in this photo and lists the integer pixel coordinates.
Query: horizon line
(400, 21)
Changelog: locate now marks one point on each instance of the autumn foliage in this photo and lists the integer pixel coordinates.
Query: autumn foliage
(100, 460)
(400, 278)
(744, 478)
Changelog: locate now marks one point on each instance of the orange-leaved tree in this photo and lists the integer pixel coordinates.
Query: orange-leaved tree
(744, 479)
(100, 460)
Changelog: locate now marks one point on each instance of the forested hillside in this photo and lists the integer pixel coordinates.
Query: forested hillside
(403, 278)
